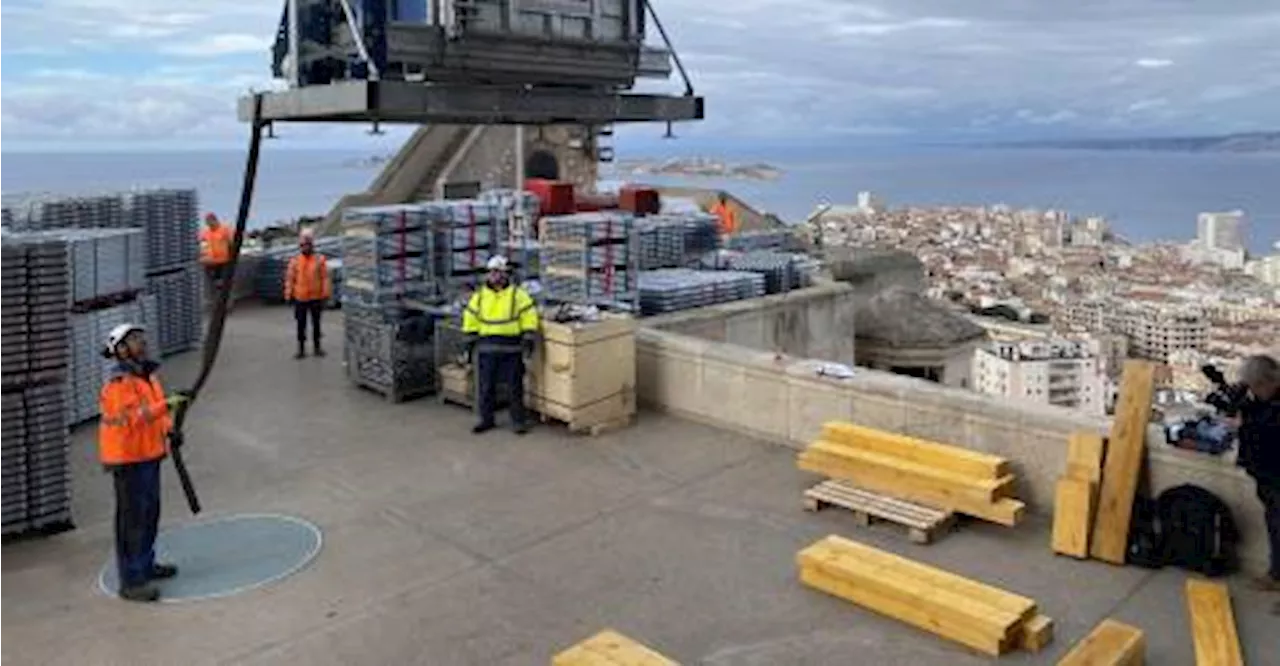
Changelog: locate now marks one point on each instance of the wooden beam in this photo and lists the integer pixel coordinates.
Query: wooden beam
(1036, 633)
(1124, 456)
(610, 648)
(1213, 624)
(1084, 456)
(933, 454)
(891, 466)
(1073, 507)
(1110, 643)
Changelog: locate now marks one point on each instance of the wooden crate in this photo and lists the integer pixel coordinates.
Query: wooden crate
(584, 374)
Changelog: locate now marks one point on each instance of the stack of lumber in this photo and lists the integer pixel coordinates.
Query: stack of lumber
(1110, 643)
(1094, 498)
(1213, 624)
(610, 648)
(938, 475)
(979, 616)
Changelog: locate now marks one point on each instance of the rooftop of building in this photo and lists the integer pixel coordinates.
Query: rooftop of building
(445, 548)
(1040, 350)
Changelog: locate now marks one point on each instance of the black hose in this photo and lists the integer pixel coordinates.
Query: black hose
(218, 318)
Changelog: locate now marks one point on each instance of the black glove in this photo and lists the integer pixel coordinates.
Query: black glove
(469, 343)
(176, 440)
(527, 345)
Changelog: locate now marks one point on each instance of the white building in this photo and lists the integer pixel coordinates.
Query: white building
(1221, 231)
(869, 203)
(1058, 372)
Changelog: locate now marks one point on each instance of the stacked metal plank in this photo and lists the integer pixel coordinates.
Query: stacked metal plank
(46, 211)
(170, 220)
(464, 234)
(391, 354)
(34, 468)
(782, 271)
(88, 370)
(386, 251)
(763, 239)
(105, 263)
(590, 259)
(180, 299)
(672, 289)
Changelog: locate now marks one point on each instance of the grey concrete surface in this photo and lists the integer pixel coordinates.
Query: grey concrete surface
(445, 548)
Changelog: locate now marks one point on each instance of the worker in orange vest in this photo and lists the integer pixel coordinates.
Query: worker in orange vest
(134, 434)
(215, 253)
(307, 287)
(723, 211)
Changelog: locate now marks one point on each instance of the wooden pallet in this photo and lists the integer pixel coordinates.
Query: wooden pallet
(392, 395)
(594, 429)
(923, 523)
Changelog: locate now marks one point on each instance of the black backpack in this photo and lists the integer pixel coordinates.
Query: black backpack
(1196, 531)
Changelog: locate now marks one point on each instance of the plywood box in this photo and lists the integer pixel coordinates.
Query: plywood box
(584, 374)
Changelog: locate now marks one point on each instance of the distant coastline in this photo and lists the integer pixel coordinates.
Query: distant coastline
(698, 167)
(1252, 142)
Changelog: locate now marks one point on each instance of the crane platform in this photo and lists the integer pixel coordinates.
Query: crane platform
(425, 103)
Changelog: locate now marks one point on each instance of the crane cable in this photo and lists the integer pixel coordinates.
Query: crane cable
(218, 318)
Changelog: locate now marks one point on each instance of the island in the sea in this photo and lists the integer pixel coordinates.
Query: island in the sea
(698, 167)
(1247, 142)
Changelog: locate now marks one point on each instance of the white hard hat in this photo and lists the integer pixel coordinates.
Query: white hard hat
(118, 334)
(497, 263)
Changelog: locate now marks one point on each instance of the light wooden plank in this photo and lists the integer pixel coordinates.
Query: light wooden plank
(1084, 456)
(859, 557)
(610, 648)
(909, 613)
(1005, 511)
(1036, 634)
(933, 454)
(1123, 463)
(1213, 624)
(982, 490)
(1073, 506)
(1111, 643)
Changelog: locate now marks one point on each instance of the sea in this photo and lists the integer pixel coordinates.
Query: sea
(1146, 195)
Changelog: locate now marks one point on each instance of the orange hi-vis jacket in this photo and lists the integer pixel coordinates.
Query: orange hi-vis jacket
(126, 432)
(307, 279)
(215, 245)
(728, 218)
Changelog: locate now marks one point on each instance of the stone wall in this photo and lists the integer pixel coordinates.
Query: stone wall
(815, 322)
(781, 399)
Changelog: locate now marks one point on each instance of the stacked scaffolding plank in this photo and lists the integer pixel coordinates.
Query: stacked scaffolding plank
(179, 296)
(47, 211)
(672, 289)
(268, 280)
(386, 254)
(36, 279)
(590, 259)
(464, 234)
(169, 220)
(982, 617)
(929, 473)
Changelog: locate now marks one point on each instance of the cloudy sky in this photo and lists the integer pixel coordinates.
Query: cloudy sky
(166, 72)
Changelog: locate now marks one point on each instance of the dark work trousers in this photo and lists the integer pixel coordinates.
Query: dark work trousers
(137, 520)
(216, 279)
(304, 309)
(1269, 493)
(500, 367)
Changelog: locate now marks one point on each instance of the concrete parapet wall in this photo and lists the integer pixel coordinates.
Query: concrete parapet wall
(814, 322)
(781, 399)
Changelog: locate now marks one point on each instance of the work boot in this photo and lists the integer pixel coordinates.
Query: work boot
(318, 351)
(144, 593)
(163, 571)
(522, 428)
(302, 350)
(480, 428)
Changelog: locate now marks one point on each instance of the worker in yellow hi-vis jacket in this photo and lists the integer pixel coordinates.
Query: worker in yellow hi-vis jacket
(501, 325)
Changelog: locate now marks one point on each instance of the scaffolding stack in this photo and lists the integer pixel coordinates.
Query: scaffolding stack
(391, 355)
(170, 222)
(385, 254)
(465, 233)
(179, 297)
(782, 271)
(46, 211)
(673, 289)
(268, 280)
(34, 442)
(590, 259)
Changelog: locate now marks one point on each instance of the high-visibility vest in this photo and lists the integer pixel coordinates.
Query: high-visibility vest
(728, 218)
(215, 245)
(505, 313)
(307, 279)
(125, 434)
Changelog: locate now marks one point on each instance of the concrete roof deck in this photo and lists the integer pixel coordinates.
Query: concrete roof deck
(445, 548)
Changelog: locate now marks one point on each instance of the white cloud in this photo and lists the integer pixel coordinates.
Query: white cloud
(1153, 63)
(220, 45)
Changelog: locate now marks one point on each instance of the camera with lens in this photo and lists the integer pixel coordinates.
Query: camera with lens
(1226, 398)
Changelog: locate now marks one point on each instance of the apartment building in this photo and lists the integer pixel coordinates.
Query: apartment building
(1153, 331)
(1060, 372)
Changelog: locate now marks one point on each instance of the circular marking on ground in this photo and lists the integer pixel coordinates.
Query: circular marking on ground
(226, 556)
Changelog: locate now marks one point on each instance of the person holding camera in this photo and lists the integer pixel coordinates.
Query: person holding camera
(1259, 436)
